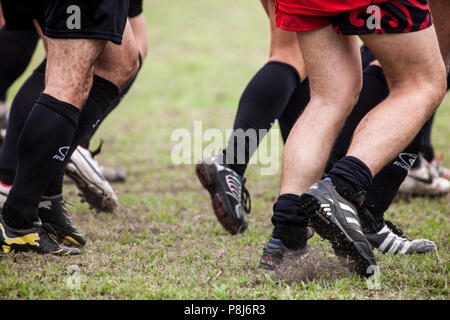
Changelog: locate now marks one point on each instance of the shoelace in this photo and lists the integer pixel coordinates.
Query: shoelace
(246, 200)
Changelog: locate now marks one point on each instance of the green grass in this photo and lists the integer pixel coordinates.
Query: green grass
(164, 241)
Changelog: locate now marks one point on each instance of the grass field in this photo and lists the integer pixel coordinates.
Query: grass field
(164, 241)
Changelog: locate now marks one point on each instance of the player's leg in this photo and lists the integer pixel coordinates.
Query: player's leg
(331, 102)
(407, 67)
(441, 11)
(261, 103)
(267, 94)
(139, 26)
(114, 69)
(21, 106)
(404, 74)
(49, 129)
(19, 46)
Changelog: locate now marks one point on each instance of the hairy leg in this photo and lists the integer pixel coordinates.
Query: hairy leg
(417, 81)
(310, 141)
(70, 68)
(119, 63)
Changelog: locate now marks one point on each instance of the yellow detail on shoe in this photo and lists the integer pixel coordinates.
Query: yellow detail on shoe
(71, 241)
(6, 249)
(57, 251)
(31, 238)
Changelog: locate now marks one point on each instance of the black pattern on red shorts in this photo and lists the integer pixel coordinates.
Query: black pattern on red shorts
(396, 16)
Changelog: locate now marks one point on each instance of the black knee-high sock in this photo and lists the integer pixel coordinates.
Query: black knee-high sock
(262, 101)
(426, 148)
(386, 183)
(102, 94)
(295, 107)
(43, 145)
(84, 141)
(17, 49)
(20, 109)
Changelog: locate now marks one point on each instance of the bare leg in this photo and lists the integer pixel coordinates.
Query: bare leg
(284, 45)
(70, 68)
(139, 27)
(417, 84)
(119, 63)
(333, 94)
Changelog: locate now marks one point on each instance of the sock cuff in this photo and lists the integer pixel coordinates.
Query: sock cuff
(360, 164)
(286, 210)
(68, 111)
(288, 197)
(352, 178)
(288, 66)
(105, 90)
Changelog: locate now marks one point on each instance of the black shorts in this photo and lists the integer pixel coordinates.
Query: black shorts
(70, 19)
(388, 16)
(135, 8)
(399, 16)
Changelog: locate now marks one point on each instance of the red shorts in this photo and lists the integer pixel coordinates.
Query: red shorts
(354, 17)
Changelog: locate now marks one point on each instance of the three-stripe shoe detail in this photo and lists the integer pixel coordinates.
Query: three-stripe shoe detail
(335, 219)
(387, 242)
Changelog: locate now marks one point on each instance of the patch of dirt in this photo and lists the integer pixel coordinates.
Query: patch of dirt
(315, 266)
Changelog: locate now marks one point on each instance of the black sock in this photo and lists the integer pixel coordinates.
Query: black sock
(289, 222)
(262, 101)
(85, 140)
(352, 179)
(102, 94)
(426, 148)
(19, 48)
(20, 109)
(295, 107)
(386, 183)
(367, 56)
(43, 144)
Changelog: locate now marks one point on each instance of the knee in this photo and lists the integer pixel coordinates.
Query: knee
(74, 93)
(439, 86)
(343, 97)
(119, 67)
(129, 68)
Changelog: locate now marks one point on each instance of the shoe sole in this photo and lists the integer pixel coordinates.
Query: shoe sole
(335, 233)
(220, 211)
(89, 193)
